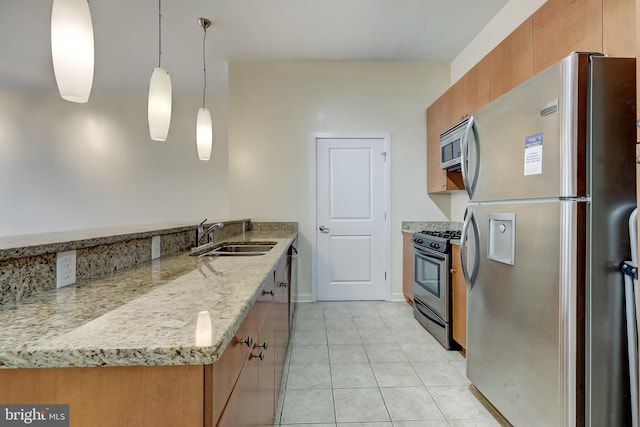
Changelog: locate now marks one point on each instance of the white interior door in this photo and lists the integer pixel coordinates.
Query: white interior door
(351, 231)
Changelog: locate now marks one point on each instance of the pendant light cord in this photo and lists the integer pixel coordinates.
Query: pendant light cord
(204, 67)
(159, 32)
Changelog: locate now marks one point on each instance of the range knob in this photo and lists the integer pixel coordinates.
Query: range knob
(435, 245)
(418, 241)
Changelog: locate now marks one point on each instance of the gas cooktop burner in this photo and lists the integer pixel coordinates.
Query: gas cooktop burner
(435, 240)
(446, 234)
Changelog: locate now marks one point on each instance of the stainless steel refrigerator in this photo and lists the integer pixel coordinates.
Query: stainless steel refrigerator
(550, 172)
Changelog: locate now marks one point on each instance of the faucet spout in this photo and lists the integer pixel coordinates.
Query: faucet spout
(209, 231)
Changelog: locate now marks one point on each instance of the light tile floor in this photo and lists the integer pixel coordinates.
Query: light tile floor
(370, 364)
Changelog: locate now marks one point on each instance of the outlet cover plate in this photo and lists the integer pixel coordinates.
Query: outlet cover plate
(155, 247)
(65, 268)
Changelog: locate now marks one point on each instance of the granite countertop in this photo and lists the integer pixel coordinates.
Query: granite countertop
(143, 316)
(413, 226)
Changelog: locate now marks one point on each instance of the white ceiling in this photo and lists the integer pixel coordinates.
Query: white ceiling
(126, 36)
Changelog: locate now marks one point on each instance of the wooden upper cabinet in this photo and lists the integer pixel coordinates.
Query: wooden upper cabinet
(618, 28)
(563, 26)
(438, 179)
(453, 104)
(465, 96)
(461, 99)
(511, 62)
(476, 87)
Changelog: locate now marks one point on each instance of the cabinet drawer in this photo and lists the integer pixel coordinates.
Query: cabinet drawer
(225, 371)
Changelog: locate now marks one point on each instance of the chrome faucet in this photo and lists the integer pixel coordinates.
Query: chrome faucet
(200, 231)
(201, 234)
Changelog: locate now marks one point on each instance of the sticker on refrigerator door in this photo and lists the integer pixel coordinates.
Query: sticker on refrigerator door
(533, 154)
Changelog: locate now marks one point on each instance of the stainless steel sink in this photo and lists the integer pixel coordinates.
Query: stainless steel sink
(239, 249)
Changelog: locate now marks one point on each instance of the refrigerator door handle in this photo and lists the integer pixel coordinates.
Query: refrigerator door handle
(470, 222)
(469, 177)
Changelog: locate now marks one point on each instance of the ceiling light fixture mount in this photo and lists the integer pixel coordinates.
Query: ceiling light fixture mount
(204, 23)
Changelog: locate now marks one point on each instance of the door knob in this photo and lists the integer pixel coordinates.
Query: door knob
(323, 229)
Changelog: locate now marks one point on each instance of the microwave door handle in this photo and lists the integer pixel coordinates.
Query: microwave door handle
(470, 222)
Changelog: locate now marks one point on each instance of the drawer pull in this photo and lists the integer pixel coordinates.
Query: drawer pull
(263, 345)
(259, 355)
(248, 341)
(271, 292)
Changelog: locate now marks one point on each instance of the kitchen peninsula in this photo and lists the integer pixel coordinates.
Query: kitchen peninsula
(146, 346)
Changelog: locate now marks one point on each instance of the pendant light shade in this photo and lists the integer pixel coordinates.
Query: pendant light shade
(204, 134)
(159, 108)
(72, 49)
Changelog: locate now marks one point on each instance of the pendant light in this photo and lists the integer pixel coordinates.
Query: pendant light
(72, 49)
(204, 131)
(159, 106)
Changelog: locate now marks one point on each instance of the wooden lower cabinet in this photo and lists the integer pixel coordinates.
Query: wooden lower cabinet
(281, 315)
(407, 266)
(115, 396)
(267, 392)
(459, 297)
(254, 399)
(242, 405)
(240, 389)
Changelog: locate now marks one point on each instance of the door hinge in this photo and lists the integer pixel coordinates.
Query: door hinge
(385, 216)
(385, 275)
(384, 155)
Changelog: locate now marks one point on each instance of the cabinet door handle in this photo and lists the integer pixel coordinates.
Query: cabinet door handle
(271, 292)
(282, 284)
(259, 355)
(323, 229)
(248, 341)
(264, 345)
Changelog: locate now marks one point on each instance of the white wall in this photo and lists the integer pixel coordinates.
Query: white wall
(508, 19)
(66, 166)
(275, 107)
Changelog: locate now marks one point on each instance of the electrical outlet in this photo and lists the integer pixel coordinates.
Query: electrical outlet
(155, 247)
(65, 268)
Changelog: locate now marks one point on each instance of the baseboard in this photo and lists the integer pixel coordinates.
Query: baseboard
(304, 298)
(397, 296)
(307, 297)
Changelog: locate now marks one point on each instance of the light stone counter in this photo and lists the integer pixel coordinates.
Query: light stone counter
(414, 226)
(143, 316)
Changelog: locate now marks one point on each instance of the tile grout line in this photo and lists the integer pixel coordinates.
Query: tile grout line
(333, 396)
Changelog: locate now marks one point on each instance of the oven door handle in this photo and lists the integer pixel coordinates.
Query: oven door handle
(470, 222)
(428, 253)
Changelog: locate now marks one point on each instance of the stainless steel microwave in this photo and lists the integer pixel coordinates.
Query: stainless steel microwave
(450, 146)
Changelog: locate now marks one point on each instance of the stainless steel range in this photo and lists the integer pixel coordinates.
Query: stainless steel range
(432, 282)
